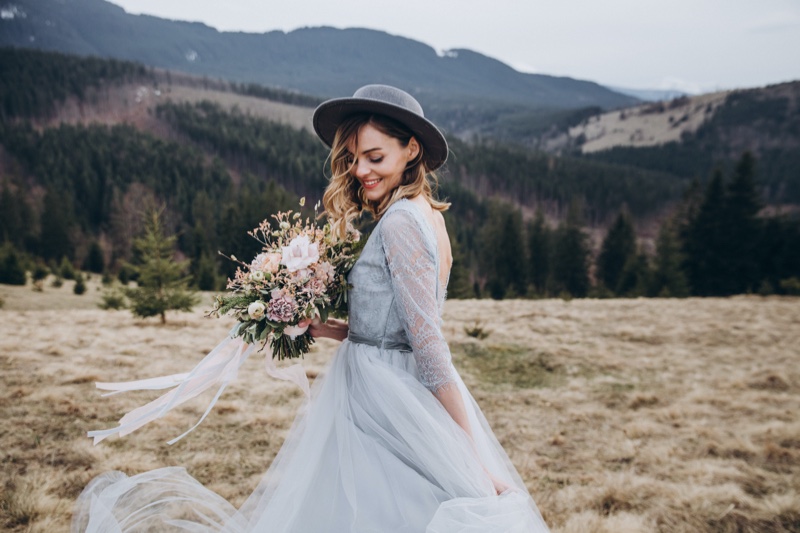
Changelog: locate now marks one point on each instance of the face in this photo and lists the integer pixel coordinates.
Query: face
(380, 161)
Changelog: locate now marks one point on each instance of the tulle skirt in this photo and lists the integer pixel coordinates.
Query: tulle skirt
(372, 451)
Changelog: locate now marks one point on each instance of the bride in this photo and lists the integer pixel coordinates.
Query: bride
(392, 440)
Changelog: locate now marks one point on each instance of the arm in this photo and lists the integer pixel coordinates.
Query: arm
(451, 399)
(412, 266)
(414, 279)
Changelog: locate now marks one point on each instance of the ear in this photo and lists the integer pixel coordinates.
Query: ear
(413, 149)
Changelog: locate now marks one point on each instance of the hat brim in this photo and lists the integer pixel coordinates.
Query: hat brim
(328, 115)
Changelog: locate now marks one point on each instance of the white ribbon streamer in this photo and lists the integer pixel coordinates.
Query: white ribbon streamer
(219, 367)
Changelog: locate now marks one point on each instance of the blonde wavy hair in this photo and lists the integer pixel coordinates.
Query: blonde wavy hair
(344, 198)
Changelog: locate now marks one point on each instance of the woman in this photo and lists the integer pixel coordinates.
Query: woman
(392, 441)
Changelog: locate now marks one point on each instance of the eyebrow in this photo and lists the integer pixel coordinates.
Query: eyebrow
(364, 152)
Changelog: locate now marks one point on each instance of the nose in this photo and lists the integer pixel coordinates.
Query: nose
(362, 169)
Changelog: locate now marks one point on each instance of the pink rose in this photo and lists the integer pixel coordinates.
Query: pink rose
(315, 286)
(266, 262)
(324, 271)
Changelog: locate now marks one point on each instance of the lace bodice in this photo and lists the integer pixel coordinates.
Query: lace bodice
(397, 296)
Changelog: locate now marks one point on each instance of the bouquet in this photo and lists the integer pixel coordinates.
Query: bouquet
(301, 272)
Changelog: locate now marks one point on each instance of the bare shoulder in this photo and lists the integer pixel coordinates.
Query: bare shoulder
(421, 202)
(438, 218)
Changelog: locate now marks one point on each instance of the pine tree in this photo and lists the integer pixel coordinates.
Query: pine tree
(722, 241)
(162, 285)
(571, 256)
(742, 229)
(513, 253)
(668, 278)
(95, 262)
(618, 247)
(459, 286)
(779, 250)
(54, 240)
(66, 270)
(704, 243)
(11, 270)
(539, 252)
(206, 276)
(38, 275)
(635, 276)
(16, 218)
(80, 284)
(502, 252)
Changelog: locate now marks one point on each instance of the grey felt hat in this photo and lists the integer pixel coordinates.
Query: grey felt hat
(389, 101)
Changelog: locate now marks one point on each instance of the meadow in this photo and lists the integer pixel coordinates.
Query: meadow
(663, 415)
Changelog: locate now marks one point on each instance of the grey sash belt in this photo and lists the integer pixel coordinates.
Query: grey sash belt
(379, 343)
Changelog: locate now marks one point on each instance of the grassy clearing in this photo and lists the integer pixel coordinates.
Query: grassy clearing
(621, 415)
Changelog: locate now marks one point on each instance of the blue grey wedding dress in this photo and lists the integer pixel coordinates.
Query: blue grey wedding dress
(374, 450)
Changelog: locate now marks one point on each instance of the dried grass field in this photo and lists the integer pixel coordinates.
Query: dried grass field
(621, 415)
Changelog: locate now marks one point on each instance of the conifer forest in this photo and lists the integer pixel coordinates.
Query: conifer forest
(664, 222)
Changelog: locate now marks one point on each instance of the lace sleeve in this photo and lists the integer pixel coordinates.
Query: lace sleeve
(414, 277)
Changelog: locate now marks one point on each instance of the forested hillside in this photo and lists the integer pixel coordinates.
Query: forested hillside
(77, 193)
(764, 121)
(32, 84)
(531, 179)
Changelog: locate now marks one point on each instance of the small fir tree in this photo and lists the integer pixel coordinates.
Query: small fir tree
(668, 278)
(704, 242)
(635, 276)
(55, 223)
(124, 275)
(95, 262)
(206, 276)
(66, 268)
(539, 251)
(38, 275)
(571, 256)
(503, 252)
(12, 272)
(162, 285)
(113, 299)
(791, 286)
(458, 285)
(617, 251)
(743, 228)
(80, 284)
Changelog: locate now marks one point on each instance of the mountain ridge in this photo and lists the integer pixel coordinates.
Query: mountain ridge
(322, 61)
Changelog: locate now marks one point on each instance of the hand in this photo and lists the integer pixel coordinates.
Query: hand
(499, 486)
(316, 328)
(332, 329)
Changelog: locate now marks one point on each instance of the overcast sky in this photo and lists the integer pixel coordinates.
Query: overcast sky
(690, 45)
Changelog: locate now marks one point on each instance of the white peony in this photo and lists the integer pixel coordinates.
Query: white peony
(256, 310)
(300, 253)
